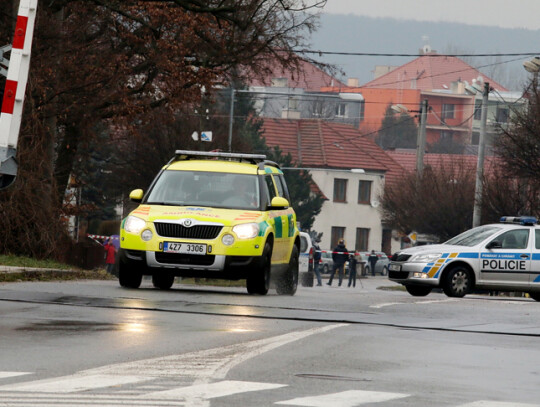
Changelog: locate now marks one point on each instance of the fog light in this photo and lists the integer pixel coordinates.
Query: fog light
(420, 275)
(147, 235)
(227, 240)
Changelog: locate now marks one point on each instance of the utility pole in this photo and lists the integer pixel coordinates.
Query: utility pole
(231, 118)
(421, 139)
(478, 191)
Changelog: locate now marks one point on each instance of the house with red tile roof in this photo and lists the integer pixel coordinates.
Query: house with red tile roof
(351, 172)
(444, 81)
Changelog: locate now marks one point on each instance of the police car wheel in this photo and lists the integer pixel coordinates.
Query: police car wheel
(418, 290)
(535, 296)
(163, 280)
(457, 282)
(258, 282)
(384, 271)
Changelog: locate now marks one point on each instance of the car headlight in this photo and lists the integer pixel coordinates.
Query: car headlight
(134, 224)
(424, 258)
(246, 230)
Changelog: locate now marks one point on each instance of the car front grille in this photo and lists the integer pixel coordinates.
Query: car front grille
(400, 257)
(194, 232)
(399, 275)
(186, 259)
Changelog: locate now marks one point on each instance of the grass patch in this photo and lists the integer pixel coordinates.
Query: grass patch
(17, 261)
(55, 275)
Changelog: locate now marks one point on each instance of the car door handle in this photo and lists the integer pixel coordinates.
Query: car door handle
(524, 256)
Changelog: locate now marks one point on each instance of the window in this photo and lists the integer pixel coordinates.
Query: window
(448, 111)
(514, 239)
(282, 187)
(293, 104)
(338, 232)
(478, 110)
(362, 111)
(364, 192)
(340, 190)
(362, 237)
(271, 189)
(340, 110)
(318, 108)
(502, 115)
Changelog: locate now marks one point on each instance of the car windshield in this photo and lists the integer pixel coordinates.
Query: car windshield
(197, 188)
(473, 236)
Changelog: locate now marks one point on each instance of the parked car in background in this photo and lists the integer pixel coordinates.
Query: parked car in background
(306, 273)
(326, 262)
(381, 267)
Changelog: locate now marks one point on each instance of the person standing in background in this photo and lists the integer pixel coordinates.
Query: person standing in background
(110, 257)
(316, 261)
(340, 254)
(372, 259)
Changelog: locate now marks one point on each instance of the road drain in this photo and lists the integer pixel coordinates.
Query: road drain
(331, 377)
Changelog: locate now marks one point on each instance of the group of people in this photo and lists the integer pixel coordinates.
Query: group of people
(340, 255)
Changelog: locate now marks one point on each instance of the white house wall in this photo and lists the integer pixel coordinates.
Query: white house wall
(350, 214)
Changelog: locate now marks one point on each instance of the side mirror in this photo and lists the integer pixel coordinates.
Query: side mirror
(136, 195)
(279, 202)
(494, 245)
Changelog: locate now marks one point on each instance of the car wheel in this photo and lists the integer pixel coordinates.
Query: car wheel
(129, 276)
(289, 282)
(163, 280)
(418, 290)
(384, 271)
(457, 282)
(325, 269)
(535, 296)
(258, 282)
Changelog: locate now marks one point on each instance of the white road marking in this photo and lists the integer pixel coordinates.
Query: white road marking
(389, 304)
(201, 368)
(349, 398)
(75, 383)
(488, 403)
(12, 374)
(212, 390)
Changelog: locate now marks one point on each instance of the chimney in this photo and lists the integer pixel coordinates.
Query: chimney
(352, 82)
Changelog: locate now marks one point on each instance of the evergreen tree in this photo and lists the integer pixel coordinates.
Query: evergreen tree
(397, 131)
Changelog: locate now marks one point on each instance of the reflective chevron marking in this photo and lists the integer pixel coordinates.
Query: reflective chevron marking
(349, 398)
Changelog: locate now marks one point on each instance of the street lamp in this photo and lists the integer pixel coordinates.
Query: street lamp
(421, 138)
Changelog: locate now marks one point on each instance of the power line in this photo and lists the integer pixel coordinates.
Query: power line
(377, 54)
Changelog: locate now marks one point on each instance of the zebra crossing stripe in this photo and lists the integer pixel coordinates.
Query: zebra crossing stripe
(349, 398)
(211, 390)
(72, 384)
(4, 375)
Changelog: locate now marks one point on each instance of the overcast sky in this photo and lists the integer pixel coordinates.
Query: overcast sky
(502, 13)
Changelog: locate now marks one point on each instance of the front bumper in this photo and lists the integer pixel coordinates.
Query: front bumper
(411, 273)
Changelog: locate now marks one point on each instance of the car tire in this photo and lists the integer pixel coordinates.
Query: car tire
(535, 296)
(129, 276)
(384, 271)
(163, 280)
(457, 282)
(258, 282)
(325, 269)
(418, 290)
(289, 282)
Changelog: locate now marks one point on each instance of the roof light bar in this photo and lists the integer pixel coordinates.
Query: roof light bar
(522, 220)
(186, 154)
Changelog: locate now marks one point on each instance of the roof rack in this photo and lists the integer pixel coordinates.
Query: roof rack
(187, 155)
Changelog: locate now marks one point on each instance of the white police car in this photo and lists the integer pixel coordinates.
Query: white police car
(503, 256)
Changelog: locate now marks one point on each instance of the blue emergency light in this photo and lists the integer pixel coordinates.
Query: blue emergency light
(522, 220)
